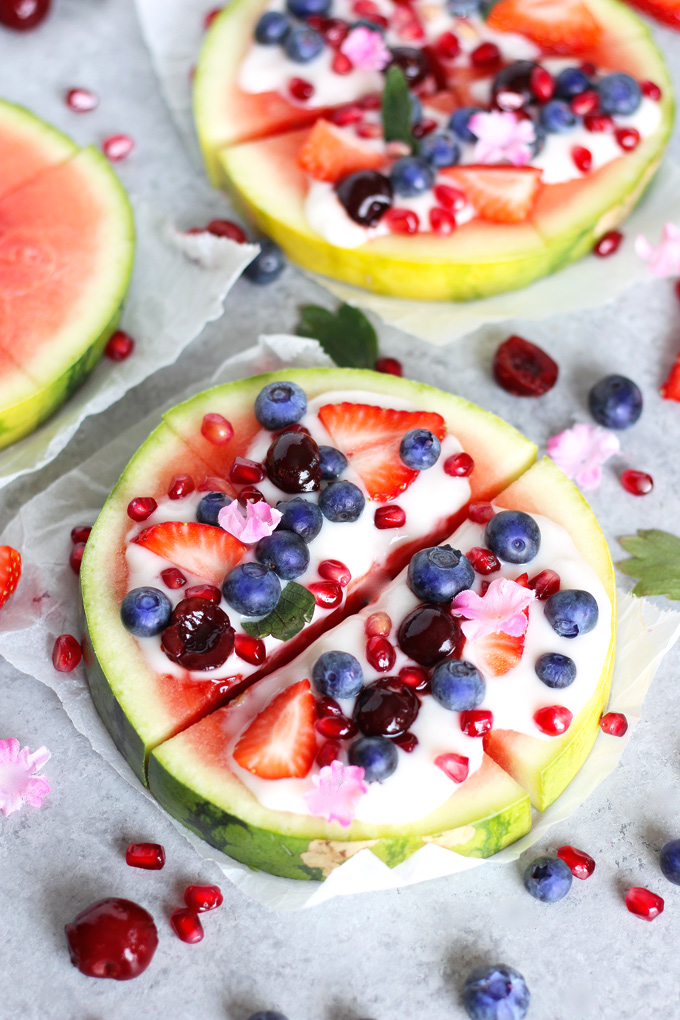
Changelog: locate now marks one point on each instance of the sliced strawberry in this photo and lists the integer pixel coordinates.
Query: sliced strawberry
(671, 388)
(501, 194)
(330, 153)
(370, 438)
(199, 548)
(498, 653)
(280, 742)
(10, 572)
(559, 26)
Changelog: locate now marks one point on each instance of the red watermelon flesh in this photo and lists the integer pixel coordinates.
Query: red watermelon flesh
(27, 147)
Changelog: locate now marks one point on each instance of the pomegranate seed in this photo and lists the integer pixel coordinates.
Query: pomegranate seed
(447, 46)
(327, 706)
(216, 429)
(389, 366)
(608, 244)
(628, 138)
(582, 157)
(250, 649)
(141, 507)
(456, 766)
(450, 198)
(424, 127)
(460, 465)
(580, 863)
(181, 486)
(378, 624)
(415, 677)
(524, 369)
(368, 130)
(250, 494)
(387, 517)
(173, 578)
(300, 89)
(614, 723)
(327, 594)
(334, 570)
(246, 472)
(402, 221)
(148, 856)
(542, 84)
(66, 653)
(587, 102)
(588, 68)
(545, 584)
(522, 579)
(316, 22)
(117, 147)
(336, 727)
(553, 719)
(22, 15)
(341, 64)
(346, 115)
(334, 31)
(476, 722)
(485, 585)
(186, 925)
(81, 533)
(644, 903)
(406, 741)
(598, 122)
(638, 483)
(229, 229)
(200, 898)
(373, 102)
(76, 557)
(380, 653)
(486, 56)
(204, 591)
(411, 30)
(81, 100)
(210, 17)
(365, 8)
(329, 752)
(483, 560)
(652, 91)
(119, 347)
(442, 221)
(480, 513)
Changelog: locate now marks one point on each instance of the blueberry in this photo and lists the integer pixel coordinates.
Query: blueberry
(337, 675)
(377, 756)
(285, 553)
(251, 589)
(513, 536)
(619, 94)
(555, 670)
(342, 501)
(459, 120)
(570, 82)
(438, 574)
(615, 402)
(439, 149)
(420, 449)
(303, 44)
(304, 518)
(538, 143)
(267, 265)
(571, 612)
(548, 879)
(465, 8)
(457, 686)
(496, 993)
(669, 859)
(411, 176)
(145, 611)
(280, 404)
(210, 506)
(306, 8)
(557, 117)
(272, 28)
(333, 463)
(268, 1014)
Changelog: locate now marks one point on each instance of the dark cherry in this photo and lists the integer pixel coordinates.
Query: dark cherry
(385, 708)
(512, 87)
(430, 634)
(366, 196)
(199, 636)
(113, 938)
(293, 463)
(523, 369)
(23, 15)
(414, 63)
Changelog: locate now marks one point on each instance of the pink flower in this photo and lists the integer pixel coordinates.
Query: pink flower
(259, 520)
(338, 788)
(366, 49)
(581, 451)
(502, 138)
(19, 783)
(501, 608)
(663, 259)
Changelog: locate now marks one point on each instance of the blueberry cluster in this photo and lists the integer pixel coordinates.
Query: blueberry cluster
(300, 42)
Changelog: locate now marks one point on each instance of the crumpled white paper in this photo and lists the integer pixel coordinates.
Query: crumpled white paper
(178, 285)
(173, 30)
(46, 604)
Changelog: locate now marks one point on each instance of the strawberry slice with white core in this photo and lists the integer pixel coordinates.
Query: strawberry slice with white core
(280, 742)
(329, 153)
(370, 438)
(496, 654)
(500, 194)
(10, 572)
(559, 26)
(208, 552)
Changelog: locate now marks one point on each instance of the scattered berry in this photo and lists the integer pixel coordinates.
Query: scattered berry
(669, 860)
(81, 100)
(246, 472)
(486, 56)
(141, 507)
(365, 195)
(204, 591)
(387, 517)
(267, 265)
(614, 723)
(75, 559)
(420, 449)
(571, 612)
(342, 501)
(411, 176)
(402, 221)
(22, 15)
(579, 863)
(200, 898)
(293, 463)
(216, 429)
(333, 463)
(334, 570)
(548, 879)
(148, 856)
(186, 925)
(173, 578)
(455, 766)
(476, 722)
(252, 589)
(66, 653)
(638, 483)
(390, 366)
(283, 552)
(608, 244)
(117, 147)
(380, 653)
(480, 512)
(415, 677)
(545, 584)
(119, 346)
(429, 634)
(513, 536)
(302, 44)
(280, 404)
(377, 756)
(523, 368)
(555, 670)
(553, 720)
(652, 91)
(250, 649)
(300, 516)
(442, 221)
(113, 938)
(438, 574)
(378, 624)
(643, 903)
(628, 138)
(272, 28)
(619, 94)
(80, 533)
(496, 993)
(483, 560)
(582, 157)
(337, 675)
(457, 686)
(557, 117)
(327, 594)
(207, 511)
(459, 465)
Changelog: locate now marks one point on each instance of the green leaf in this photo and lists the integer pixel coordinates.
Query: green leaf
(295, 608)
(655, 560)
(345, 335)
(397, 108)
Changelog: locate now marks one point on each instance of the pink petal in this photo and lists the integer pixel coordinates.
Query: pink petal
(590, 477)
(9, 750)
(258, 522)
(37, 788)
(366, 49)
(338, 788)
(38, 758)
(9, 803)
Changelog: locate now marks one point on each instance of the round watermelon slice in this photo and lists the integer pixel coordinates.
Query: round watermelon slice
(66, 253)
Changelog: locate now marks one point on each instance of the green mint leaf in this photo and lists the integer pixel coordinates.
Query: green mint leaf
(345, 335)
(295, 608)
(396, 108)
(655, 560)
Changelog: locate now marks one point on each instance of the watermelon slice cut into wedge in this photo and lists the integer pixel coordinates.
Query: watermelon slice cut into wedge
(557, 26)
